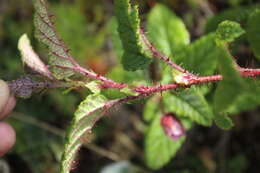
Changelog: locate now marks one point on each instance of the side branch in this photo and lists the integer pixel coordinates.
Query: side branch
(159, 55)
(106, 83)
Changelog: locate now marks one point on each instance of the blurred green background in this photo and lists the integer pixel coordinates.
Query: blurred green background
(87, 28)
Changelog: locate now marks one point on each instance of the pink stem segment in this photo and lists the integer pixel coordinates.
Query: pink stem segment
(159, 55)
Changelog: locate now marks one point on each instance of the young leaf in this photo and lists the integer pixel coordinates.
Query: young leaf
(159, 148)
(87, 114)
(134, 56)
(167, 31)
(45, 32)
(228, 31)
(253, 32)
(30, 58)
(189, 103)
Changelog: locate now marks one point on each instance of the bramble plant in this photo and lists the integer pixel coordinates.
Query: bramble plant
(175, 101)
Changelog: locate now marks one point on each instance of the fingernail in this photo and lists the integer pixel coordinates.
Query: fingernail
(4, 94)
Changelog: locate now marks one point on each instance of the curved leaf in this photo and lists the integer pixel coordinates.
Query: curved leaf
(30, 58)
(87, 114)
(228, 31)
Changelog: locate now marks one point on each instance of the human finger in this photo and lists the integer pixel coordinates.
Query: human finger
(7, 138)
(4, 94)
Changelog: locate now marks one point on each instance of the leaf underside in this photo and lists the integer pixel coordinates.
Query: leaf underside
(87, 114)
(31, 59)
(59, 57)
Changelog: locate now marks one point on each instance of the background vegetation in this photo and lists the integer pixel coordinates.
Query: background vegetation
(88, 29)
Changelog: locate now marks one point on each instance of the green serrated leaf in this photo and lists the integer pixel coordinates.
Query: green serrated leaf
(45, 32)
(167, 31)
(228, 31)
(88, 112)
(253, 32)
(134, 56)
(201, 56)
(189, 103)
(159, 149)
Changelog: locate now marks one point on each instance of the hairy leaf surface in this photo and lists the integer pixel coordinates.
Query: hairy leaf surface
(228, 31)
(134, 56)
(87, 114)
(45, 32)
(30, 58)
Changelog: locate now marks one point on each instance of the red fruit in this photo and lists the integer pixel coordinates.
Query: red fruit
(172, 126)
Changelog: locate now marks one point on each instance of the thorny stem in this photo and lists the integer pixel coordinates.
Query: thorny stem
(145, 90)
(106, 83)
(142, 90)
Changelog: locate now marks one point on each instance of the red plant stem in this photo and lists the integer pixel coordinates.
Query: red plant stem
(146, 90)
(107, 83)
(249, 72)
(159, 55)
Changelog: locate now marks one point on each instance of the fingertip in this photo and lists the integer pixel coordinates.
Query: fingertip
(7, 138)
(4, 94)
(8, 107)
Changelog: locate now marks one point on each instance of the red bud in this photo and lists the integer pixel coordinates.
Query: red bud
(172, 126)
